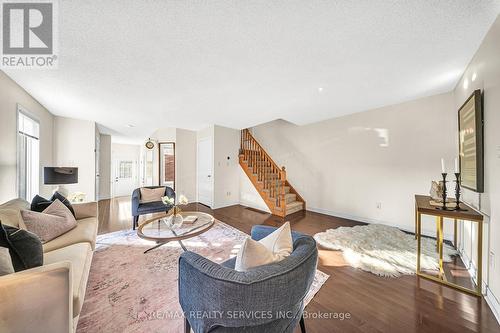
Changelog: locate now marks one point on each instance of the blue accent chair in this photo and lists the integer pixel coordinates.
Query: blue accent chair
(139, 208)
(212, 296)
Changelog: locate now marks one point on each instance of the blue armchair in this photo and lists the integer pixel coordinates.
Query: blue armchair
(268, 298)
(139, 208)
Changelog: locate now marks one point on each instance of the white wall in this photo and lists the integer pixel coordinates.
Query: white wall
(345, 166)
(483, 73)
(249, 196)
(225, 169)
(74, 146)
(105, 167)
(226, 166)
(10, 95)
(185, 163)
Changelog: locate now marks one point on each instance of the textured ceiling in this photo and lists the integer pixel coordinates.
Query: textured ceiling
(189, 64)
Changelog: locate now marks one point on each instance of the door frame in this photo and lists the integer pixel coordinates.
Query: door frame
(211, 141)
(159, 163)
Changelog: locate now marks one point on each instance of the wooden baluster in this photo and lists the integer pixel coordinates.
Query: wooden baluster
(262, 171)
(274, 184)
(259, 170)
(253, 156)
(245, 140)
(282, 193)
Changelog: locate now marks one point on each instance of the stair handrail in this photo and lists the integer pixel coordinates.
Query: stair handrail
(249, 135)
(280, 187)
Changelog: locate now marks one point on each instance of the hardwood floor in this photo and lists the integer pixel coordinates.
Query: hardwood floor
(374, 304)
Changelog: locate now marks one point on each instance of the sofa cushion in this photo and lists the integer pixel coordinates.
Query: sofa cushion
(10, 212)
(39, 204)
(85, 231)
(80, 257)
(24, 247)
(15, 204)
(152, 207)
(53, 222)
(151, 194)
(6, 266)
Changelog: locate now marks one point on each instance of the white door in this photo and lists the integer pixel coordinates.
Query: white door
(126, 177)
(204, 171)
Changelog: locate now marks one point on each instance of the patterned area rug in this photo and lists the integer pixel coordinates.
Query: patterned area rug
(129, 291)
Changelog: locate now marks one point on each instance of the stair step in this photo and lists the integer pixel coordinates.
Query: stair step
(290, 197)
(294, 207)
(269, 176)
(287, 189)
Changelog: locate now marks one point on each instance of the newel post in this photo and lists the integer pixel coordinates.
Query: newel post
(282, 192)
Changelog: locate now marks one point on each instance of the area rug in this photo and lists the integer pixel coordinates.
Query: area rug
(129, 291)
(382, 250)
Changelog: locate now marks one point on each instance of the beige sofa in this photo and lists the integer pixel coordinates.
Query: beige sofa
(49, 298)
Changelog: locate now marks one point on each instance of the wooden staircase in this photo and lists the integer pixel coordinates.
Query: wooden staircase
(268, 178)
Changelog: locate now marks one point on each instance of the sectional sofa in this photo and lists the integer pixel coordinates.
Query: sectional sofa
(49, 298)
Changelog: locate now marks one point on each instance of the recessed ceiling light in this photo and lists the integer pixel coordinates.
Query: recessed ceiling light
(320, 89)
(130, 125)
(474, 77)
(466, 84)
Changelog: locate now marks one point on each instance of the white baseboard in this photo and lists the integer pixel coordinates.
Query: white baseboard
(226, 205)
(372, 221)
(493, 303)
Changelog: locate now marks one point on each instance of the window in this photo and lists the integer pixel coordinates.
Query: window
(125, 169)
(28, 149)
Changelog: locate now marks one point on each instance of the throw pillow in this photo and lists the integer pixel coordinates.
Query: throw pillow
(54, 221)
(272, 248)
(25, 248)
(152, 194)
(12, 217)
(39, 204)
(5, 261)
(279, 241)
(252, 254)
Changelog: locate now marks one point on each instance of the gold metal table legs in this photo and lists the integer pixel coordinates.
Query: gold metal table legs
(441, 277)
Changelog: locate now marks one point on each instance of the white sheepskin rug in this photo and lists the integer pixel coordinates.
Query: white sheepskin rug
(382, 250)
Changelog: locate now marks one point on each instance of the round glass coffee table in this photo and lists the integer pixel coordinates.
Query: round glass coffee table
(158, 229)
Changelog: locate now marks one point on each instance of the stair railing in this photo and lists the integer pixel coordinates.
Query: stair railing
(272, 177)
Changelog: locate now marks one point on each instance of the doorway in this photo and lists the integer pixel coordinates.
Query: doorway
(204, 170)
(167, 164)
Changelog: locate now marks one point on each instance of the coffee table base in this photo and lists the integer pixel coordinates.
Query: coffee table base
(160, 244)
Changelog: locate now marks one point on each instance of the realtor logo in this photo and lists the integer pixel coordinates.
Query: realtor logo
(28, 32)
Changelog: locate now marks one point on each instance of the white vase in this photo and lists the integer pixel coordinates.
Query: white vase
(175, 221)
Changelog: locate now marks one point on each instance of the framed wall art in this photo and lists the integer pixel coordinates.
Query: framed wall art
(470, 139)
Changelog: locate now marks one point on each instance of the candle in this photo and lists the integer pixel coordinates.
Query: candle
(457, 168)
(443, 169)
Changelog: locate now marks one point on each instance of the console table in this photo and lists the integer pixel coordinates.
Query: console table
(467, 213)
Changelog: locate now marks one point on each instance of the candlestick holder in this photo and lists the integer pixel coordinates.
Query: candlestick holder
(457, 191)
(444, 174)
